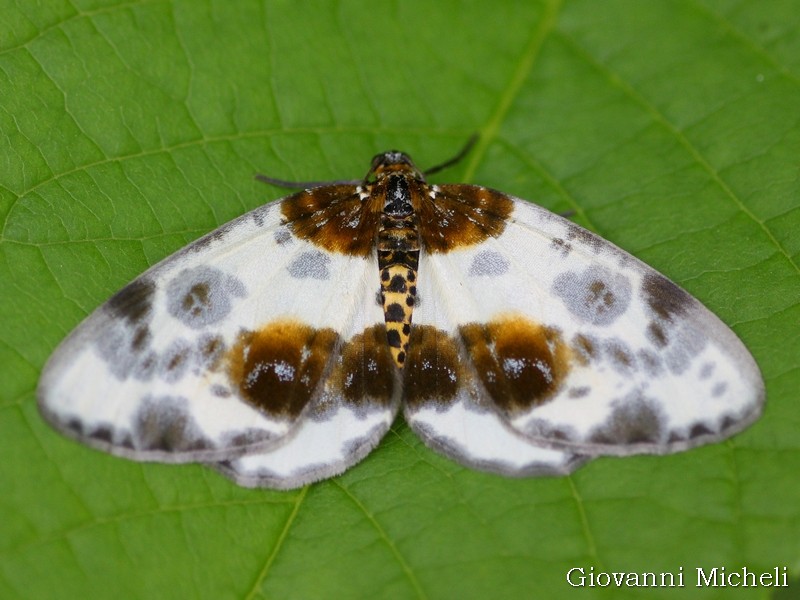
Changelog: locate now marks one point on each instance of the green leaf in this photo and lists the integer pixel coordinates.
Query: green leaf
(127, 129)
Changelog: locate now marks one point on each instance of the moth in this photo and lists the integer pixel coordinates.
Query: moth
(279, 348)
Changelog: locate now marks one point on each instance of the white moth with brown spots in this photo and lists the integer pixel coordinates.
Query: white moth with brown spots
(279, 347)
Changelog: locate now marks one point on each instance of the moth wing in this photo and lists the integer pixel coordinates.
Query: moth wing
(356, 405)
(580, 347)
(214, 352)
(445, 406)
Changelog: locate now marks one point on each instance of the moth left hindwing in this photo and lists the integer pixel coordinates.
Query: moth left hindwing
(279, 347)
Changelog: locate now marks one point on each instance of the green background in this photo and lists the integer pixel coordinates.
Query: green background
(127, 129)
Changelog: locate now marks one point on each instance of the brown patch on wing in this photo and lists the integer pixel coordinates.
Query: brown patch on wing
(133, 302)
(335, 218)
(278, 368)
(432, 371)
(197, 299)
(365, 370)
(521, 364)
(462, 215)
(664, 298)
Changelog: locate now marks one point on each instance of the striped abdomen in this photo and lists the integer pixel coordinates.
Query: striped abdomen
(398, 259)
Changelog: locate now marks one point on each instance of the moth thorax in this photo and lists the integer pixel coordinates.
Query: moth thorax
(397, 198)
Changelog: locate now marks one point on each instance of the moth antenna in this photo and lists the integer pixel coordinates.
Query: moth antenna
(461, 154)
(302, 185)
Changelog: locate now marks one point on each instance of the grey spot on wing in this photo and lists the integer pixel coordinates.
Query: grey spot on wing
(488, 263)
(585, 238)
(706, 370)
(310, 265)
(597, 295)
(258, 218)
(146, 367)
(208, 352)
(102, 432)
(202, 296)
(719, 389)
(175, 360)
(656, 334)
(259, 214)
(729, 422)
(699, 429)
(634, 419)
(220, 391)
(218, 235)
(696, 430)
(544, 429)
(283, 236)
(578, 392)
(619, 355)
(672, 331)
(561, 247)
(650, 362)
(247, 437)
(125, 343)
(126, 351)
(164, 423)
(686, 344)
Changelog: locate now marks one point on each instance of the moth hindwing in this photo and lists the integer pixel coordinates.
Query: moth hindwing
(280, 347)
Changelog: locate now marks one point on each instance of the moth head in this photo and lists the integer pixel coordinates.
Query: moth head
(392, 161)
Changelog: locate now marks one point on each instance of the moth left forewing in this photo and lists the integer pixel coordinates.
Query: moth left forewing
(353, 409)
(580, 346)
